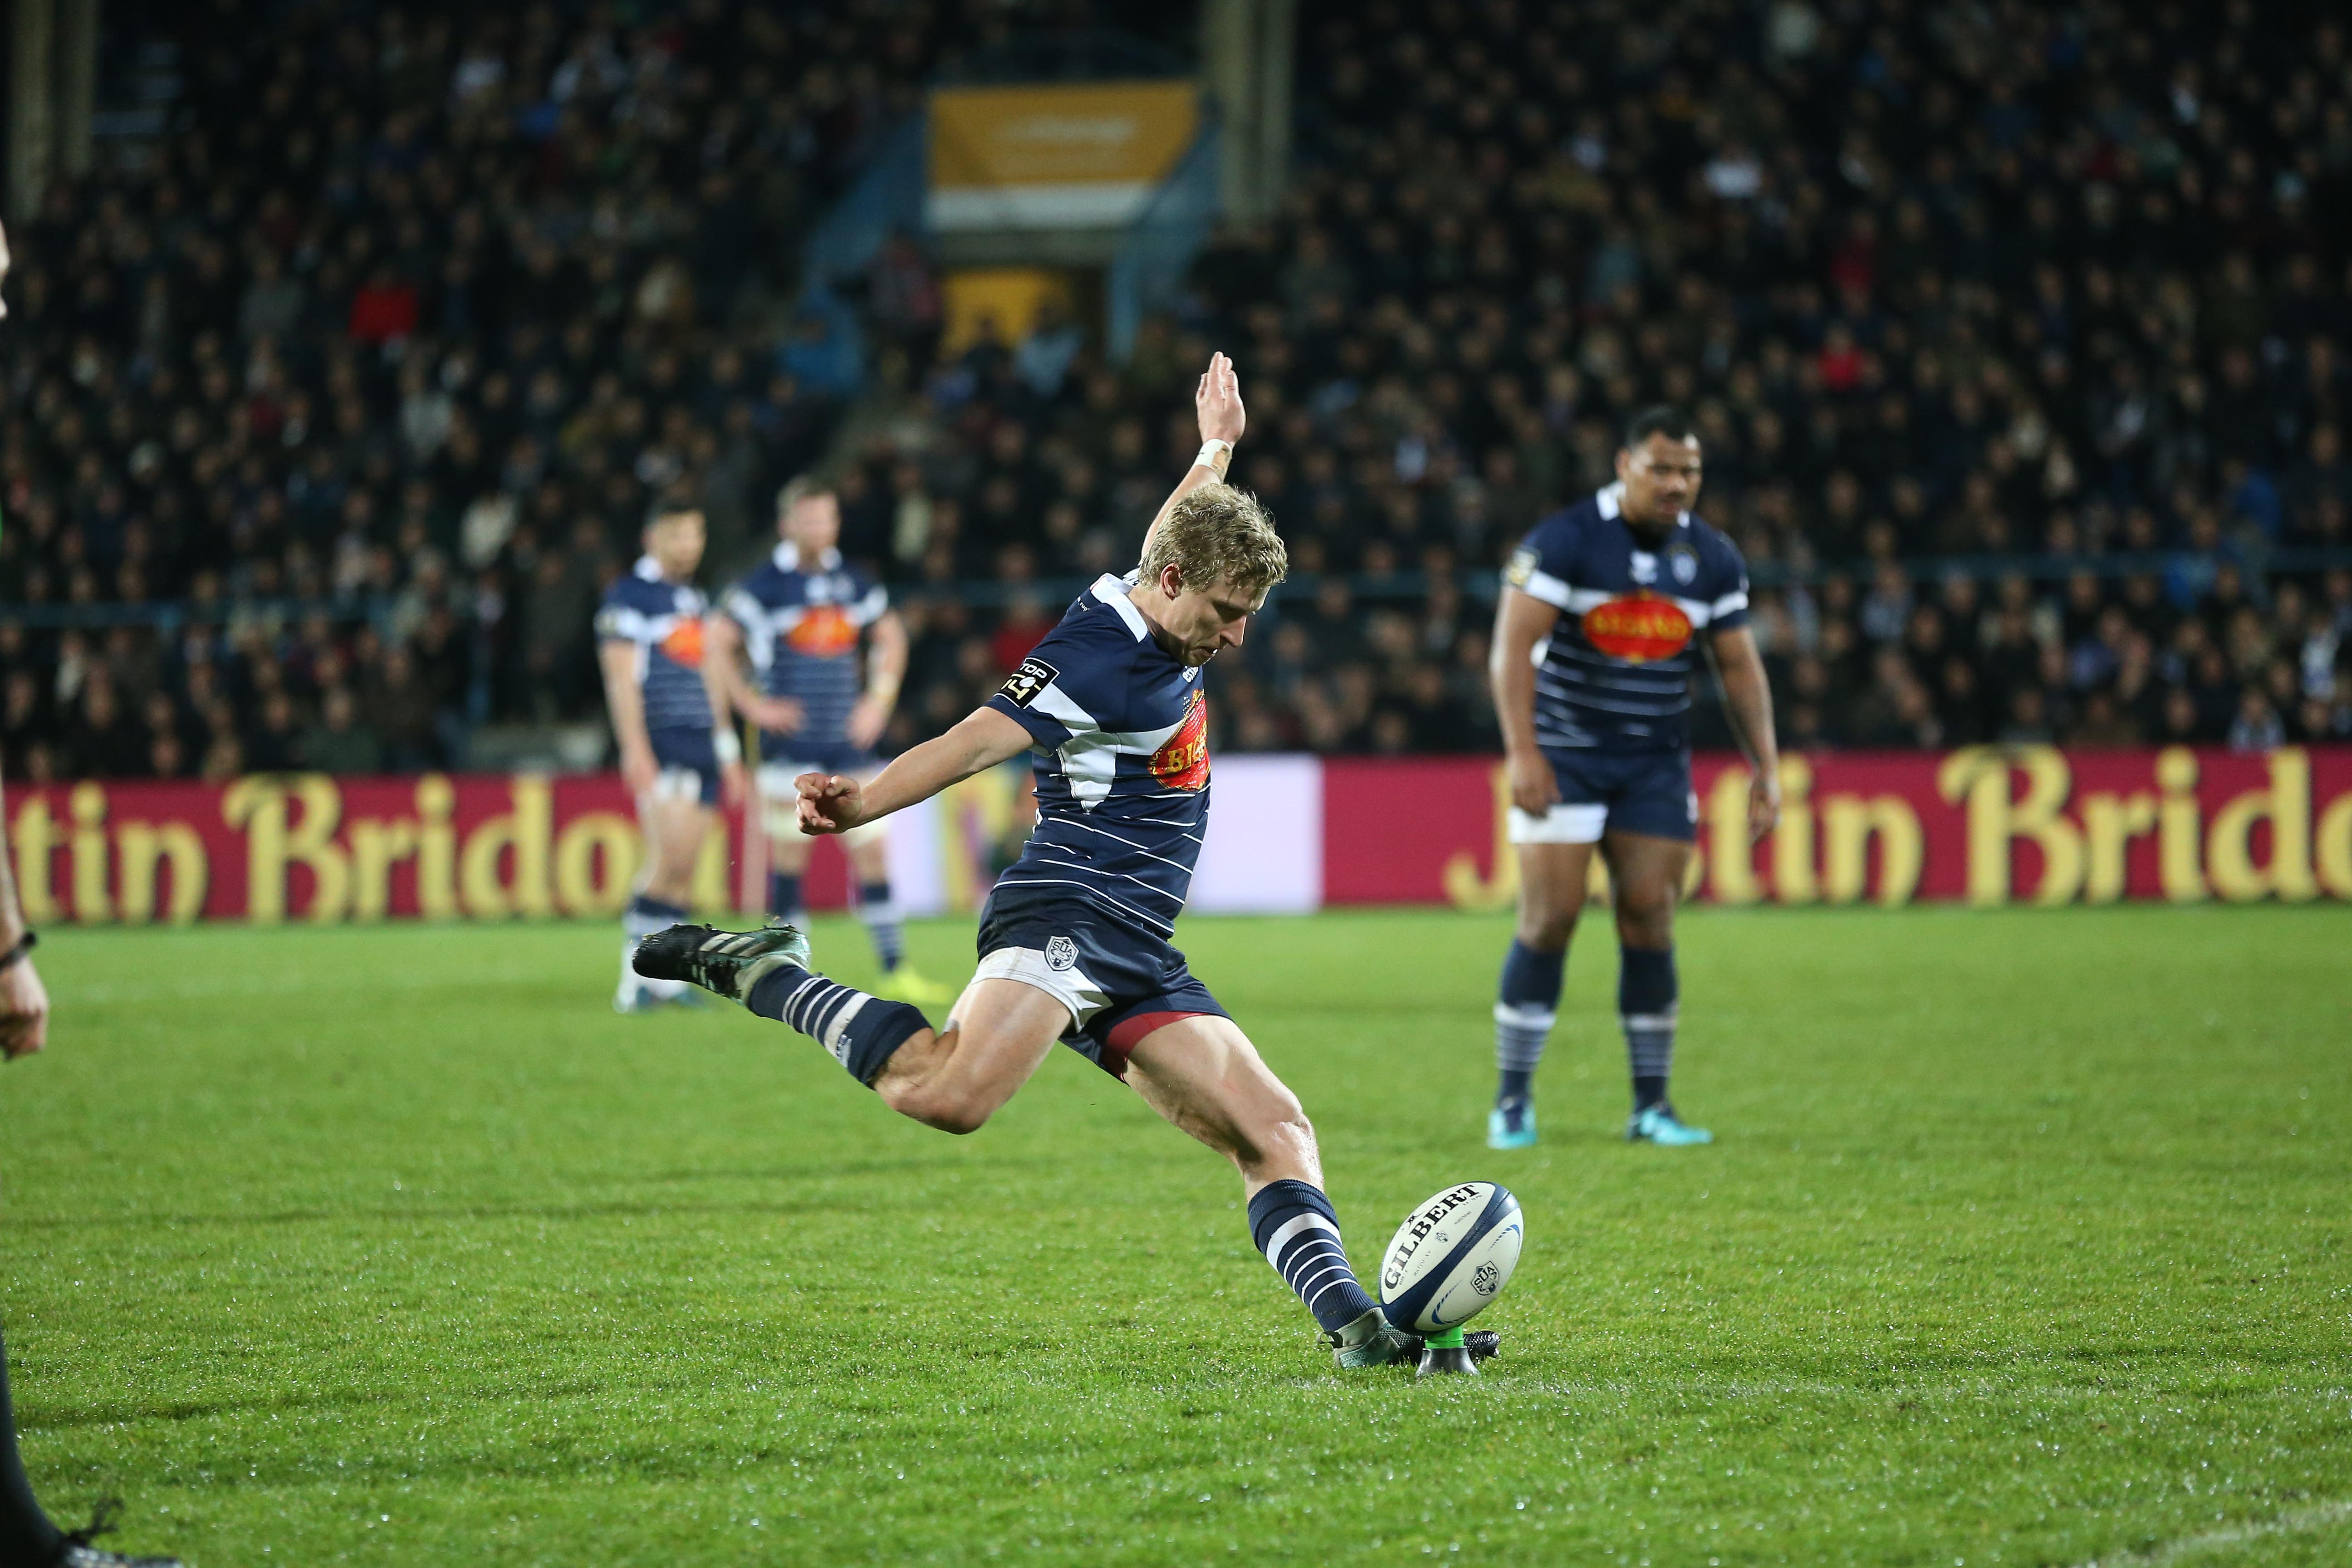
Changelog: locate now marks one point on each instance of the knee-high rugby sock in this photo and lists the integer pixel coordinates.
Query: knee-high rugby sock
(784, 896)
(1525, 1010)
(1647, 999)
(881, 917)
(645, 916)
(859, 1030)
(1294, 1225)
(26, 1533)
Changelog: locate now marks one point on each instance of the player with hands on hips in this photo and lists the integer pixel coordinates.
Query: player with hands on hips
(825, 654)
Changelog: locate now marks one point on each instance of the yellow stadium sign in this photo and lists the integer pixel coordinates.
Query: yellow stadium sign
(1079, 156)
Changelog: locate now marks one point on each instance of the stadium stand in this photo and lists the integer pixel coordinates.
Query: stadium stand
(2022, 348)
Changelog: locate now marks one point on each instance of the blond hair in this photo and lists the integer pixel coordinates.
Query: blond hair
(1218, 535)
(801, 488)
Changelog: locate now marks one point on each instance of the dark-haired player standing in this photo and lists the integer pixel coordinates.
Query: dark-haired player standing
(1602, 613)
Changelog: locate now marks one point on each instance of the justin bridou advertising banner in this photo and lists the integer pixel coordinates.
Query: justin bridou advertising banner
(1986, 826)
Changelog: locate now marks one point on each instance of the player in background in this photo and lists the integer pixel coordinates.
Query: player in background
(28, 1537)
(1603, 609)
(1074, 943)
(828, 653)
(675, 758)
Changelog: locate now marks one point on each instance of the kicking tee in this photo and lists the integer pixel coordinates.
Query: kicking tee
(1120, 731)
(1615, 672)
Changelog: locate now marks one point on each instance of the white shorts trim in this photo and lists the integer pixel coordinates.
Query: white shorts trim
(1563, 824)
(779, 797)
(677, 784)
(1072, 987)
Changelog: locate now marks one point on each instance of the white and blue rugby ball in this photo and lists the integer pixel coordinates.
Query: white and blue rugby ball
(1452, 1257)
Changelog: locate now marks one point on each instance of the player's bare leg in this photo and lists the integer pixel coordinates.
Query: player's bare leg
(956, 1077)
(1204, 1076)
(674, 827)
(1552, 896)
(1645, 875)
(868, 852)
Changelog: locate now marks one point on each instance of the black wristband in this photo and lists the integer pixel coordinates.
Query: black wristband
(24, 945)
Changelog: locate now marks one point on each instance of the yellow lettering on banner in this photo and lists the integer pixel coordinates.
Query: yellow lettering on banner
(257, 806)
(1848, 821)
(36, 840)
(1464, 887)
(526, 832)
(1793, 881)
(2179, 827)
(710, 892)
(596, 837)
(376, 847)
(92, 906)
(1731, 863)
(141, 848)
(437, 848)
(2110, 822)
(2286, 804)
(1981, 774)
(2332, 847)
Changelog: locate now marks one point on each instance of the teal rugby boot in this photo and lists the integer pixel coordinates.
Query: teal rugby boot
(1512, 1124)
(1659, 1125)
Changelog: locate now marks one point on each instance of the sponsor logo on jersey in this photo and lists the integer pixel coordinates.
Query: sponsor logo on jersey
(1183, 761)
(1023, 684)
(1522, 568)
(684, 644)
(822, 632)
(1638, 627)
(1061, 953)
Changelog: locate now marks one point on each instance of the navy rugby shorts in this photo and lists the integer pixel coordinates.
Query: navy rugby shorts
(1613, 792)
(688, 763)
(1118, 983)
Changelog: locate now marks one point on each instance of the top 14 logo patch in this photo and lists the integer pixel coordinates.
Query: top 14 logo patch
(1182, 763)
(1639, 627)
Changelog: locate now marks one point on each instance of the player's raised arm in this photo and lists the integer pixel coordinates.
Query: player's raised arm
(1217, 400)
(836, 802)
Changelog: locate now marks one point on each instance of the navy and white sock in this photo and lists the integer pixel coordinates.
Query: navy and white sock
(881, 917)
(859, 1030)
(26, 1533)
(785, 897)
(1647, 999)
(1525, 1010)
(1294, 1225)
(645, 916)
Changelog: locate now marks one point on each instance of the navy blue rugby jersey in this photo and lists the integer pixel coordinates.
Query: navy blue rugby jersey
(663, 621)
(1615, 671)
(802, 626)
(1121, 741)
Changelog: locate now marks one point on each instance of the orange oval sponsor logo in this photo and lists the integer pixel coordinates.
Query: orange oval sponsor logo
(823, 630)
(1638, 627)
(684, 644)
(1183, 761)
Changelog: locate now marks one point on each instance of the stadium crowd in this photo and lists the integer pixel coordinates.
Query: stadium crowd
(2020, 343)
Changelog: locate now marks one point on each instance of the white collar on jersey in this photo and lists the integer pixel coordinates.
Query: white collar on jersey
(1112, 591)
(788, 558)
(1612, 502)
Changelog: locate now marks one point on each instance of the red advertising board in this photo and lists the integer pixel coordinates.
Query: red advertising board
(1987, 824)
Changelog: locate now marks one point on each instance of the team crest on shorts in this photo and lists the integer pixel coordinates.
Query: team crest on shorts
(1061, 953)
(1638, 627)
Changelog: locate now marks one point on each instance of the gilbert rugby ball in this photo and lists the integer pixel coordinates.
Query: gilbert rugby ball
(1452, 1257)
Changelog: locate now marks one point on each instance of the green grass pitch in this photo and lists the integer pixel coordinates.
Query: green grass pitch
(2024, 1242)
